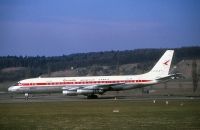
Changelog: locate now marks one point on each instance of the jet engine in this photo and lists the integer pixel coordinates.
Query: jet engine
(82, 92)
(85, 91)
(70, 92)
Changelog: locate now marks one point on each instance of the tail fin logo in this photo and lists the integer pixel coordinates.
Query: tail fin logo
(166, 62)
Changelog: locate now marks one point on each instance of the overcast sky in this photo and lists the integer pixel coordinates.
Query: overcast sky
(57, 27)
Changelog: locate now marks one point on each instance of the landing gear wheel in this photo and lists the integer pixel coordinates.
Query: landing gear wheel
(26, 96)
(92, 97)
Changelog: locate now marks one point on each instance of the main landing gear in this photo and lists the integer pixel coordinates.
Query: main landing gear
(92, 96)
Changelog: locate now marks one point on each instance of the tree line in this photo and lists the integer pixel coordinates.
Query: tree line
(37, 65)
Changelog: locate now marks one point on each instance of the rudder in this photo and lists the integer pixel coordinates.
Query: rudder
(161, 69)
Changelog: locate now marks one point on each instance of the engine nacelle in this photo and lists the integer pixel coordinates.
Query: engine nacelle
(89, 91)
(70, 92)
(85, 91)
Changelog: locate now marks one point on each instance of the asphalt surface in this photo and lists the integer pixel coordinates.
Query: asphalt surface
(20, 98)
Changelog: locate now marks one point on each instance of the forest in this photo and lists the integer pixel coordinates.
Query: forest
(33, 66)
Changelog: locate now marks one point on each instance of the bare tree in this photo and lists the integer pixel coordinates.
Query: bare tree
(194, 75)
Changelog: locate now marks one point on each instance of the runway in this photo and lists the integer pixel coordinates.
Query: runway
(56, 97)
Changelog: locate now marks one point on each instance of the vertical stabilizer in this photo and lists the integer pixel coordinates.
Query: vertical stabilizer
(161, 69)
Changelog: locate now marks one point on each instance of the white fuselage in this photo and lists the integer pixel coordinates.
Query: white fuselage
(56, 84)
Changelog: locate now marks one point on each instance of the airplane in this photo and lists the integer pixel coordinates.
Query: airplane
(91, 86)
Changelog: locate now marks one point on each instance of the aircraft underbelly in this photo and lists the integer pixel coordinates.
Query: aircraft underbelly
(128, 86)
(41, 89)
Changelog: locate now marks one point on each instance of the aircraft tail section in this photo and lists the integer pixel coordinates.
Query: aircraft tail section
(161, 69)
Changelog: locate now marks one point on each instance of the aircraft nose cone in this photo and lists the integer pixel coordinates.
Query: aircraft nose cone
(10, 89)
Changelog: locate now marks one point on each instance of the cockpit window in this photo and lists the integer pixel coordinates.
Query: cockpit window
(16, 84)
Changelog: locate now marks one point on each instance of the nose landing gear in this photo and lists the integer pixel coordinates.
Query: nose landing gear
(26, 96)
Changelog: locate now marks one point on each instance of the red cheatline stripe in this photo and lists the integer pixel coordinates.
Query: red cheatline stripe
(83, 83)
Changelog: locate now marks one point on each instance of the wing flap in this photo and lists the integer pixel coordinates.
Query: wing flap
(90, 87)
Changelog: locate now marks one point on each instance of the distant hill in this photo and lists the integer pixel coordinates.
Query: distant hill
(184, 67)
(93, 63)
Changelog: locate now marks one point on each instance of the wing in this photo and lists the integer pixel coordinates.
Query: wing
(87, 90)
